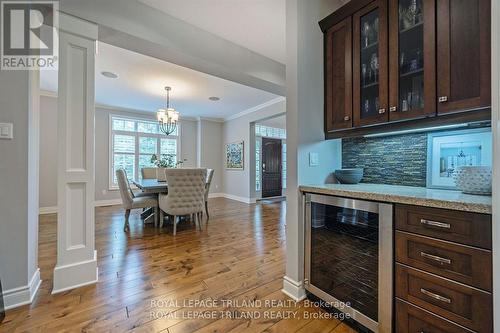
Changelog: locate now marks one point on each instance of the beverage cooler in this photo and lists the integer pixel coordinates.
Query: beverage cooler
(349, 257)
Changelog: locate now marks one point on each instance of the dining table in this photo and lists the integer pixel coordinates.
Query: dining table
(153, 186)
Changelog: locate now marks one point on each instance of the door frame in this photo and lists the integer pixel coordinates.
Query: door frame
(262, 166)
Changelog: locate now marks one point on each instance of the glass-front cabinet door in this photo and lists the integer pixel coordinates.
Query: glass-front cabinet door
(412, 65)
(370, 61)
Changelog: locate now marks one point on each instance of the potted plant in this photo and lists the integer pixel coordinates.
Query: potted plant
(163, 163)
(167, 161)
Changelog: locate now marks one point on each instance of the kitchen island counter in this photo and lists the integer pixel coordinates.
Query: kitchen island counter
(419, 196)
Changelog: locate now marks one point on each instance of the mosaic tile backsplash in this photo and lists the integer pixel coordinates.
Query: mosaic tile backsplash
(393, 160)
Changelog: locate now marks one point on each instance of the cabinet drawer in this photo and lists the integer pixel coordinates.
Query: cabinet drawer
(410, 319)
(461, 227)
(469, 307)
(461, 263)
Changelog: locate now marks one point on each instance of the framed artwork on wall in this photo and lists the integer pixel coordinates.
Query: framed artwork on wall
(235, 156)
(446, 151)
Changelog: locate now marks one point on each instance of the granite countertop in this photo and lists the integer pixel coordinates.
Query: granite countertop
(419, 196)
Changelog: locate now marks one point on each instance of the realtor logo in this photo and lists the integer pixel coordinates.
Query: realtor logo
(29, 35)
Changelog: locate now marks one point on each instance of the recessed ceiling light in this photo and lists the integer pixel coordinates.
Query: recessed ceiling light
(109, 75)
(214, 98)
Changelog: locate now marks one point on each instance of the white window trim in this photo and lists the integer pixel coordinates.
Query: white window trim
(111, 185)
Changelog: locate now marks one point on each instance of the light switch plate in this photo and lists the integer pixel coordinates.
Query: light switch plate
(6, 131)
(313, 159)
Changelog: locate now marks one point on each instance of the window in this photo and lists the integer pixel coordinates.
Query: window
(270, 132)
(258, 143)
(133, 142)
(283, 163)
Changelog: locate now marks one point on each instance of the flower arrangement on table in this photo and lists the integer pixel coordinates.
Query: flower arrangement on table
(167, 161)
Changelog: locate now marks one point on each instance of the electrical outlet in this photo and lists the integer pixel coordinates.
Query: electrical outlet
(104, 192)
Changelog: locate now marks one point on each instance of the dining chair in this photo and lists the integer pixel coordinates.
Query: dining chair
(210, 176)
(131, 201)
(186, 195)
(148, 173)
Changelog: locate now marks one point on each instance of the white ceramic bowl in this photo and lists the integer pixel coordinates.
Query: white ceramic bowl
(474, 179)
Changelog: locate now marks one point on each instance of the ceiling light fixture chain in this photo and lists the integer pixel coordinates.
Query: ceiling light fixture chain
(167, 118)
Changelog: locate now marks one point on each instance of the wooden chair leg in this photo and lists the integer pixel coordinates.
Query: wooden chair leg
(199, 220)
(157, 213)
(206, 210)
(162, 218)
(175, 224)
(126, 226)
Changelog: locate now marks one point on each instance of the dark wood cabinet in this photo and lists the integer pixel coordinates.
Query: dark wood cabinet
(463, 55)
(402, 64)
(443, 279)
(338, 76)
(412, 69)
(370, 79)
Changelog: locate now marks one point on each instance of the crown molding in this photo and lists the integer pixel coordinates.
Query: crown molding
(47, 93)
(256, 108)
(215, 120)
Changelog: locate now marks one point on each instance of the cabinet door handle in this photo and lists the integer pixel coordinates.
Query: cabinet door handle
(435, 258)
(435, 224)
(443, 99)
(435, 296)
(393, 109)
(381, 111)
(347, 118)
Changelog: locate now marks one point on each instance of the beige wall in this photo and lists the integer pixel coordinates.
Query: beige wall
(304, 124)
(48, 150)
(18, 225)
(238, 182)
(209, 152)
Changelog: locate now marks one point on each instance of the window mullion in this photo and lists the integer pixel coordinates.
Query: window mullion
(136, 177)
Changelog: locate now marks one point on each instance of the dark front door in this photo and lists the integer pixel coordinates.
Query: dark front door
(271, 167)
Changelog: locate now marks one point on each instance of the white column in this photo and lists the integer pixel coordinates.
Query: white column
(76, 255)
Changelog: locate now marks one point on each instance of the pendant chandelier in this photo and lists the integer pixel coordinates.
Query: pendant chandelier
(167, 118)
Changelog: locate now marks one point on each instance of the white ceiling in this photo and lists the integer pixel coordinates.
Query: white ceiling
(276, 122)
(258, 25)
(142, 79)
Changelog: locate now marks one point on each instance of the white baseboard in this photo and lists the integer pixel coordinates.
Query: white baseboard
(112, 202)
(75, 275)
(216, 195)
(16, 297)
(238, 198)
(47, 210)
(97, 203)
(293, 289)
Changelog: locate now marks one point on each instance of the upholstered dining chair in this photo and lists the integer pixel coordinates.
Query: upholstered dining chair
(210, 176)
(148, 173)
(131, 201)
(186, 195)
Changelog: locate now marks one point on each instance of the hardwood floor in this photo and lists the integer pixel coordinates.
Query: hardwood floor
(150, 281)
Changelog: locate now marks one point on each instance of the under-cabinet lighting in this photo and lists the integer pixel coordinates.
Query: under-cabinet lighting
(429, 129)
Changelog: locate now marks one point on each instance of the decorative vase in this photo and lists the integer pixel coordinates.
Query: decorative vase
(160, 174)
(474, 179)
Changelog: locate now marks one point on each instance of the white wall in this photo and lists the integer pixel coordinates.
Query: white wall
(238, 183)
(18, 219)
(304, 124)
(48, 150)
